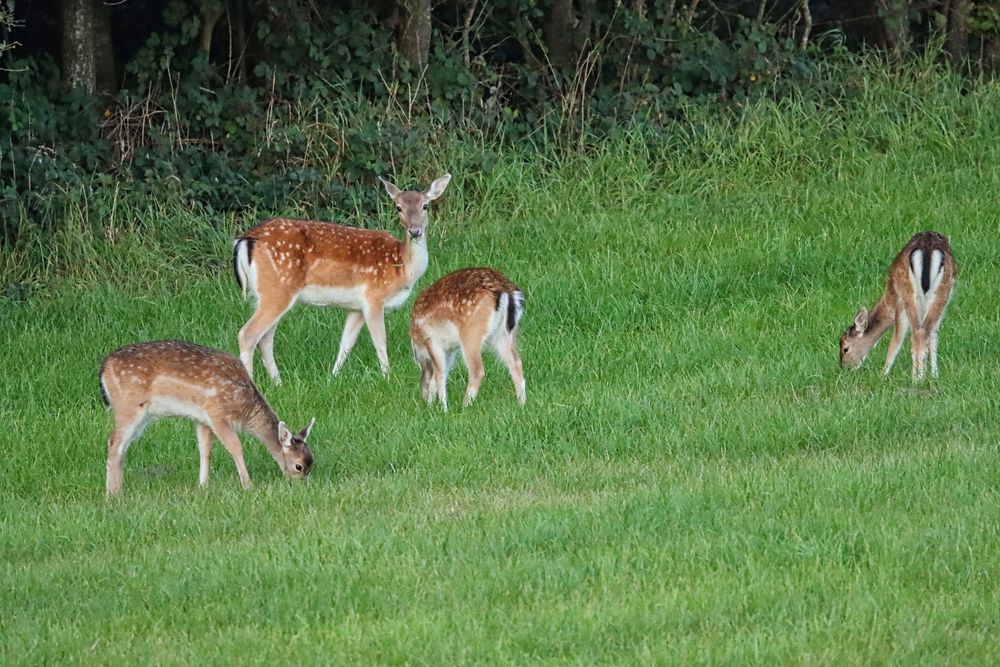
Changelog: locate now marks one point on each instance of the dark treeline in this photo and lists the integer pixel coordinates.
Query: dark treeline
(95, 41)
(231, 105)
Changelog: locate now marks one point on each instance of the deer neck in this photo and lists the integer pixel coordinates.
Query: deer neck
(881, 318)
(263, 425)
(414, 258)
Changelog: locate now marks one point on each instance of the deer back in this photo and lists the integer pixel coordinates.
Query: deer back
(479, 299)
(181, 379)
(323, 262)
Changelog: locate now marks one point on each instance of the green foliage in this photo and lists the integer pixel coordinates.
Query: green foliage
(316, 107)
(985, 19)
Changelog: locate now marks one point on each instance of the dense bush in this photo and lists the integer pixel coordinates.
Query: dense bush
(324, 109)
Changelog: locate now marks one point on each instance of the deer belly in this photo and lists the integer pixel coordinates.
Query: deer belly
(351, 298)
(168, 406)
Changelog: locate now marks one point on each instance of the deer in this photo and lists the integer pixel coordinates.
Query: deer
(919, 287)
(366, 272)
(143, 382)
(465, 311)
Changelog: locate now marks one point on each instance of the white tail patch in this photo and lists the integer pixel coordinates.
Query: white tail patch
(518, 306)
(935, 274)
(246, 273)
(498, 323)
(937, 260)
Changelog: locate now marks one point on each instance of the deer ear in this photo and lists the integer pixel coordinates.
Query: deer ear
(284, 436)
(304, 433)
(389, 187)
(437, 187)
(861, 321)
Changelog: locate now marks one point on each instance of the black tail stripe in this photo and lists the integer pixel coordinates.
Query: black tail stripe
(236, 262)
(236, 252)
(925, 275)
(511, 312)
(104, 393)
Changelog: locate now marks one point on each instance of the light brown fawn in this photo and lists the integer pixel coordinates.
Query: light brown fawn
(921, 280)
(364, 271)
(145, 381)
(466, 310)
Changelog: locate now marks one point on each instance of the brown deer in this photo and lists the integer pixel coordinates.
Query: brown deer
(919, 287)
(364, 271)
(145, 381)
(464, 311)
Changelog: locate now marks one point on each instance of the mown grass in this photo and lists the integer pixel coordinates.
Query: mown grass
(692, 480)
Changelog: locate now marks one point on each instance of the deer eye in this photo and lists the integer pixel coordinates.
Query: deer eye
(399, 208)
(425, 207)
(845, 350)
(298, 467)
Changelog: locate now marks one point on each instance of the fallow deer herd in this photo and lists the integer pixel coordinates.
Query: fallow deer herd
(283, 262)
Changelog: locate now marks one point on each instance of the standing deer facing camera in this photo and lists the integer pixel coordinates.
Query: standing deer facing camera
(145, 381)
(464, 311)
(363, 271)
(920, 283)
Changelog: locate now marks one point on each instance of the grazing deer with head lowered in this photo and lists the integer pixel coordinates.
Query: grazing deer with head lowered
(464, 311)
(921, 279)
(364, 271)
(145, 381)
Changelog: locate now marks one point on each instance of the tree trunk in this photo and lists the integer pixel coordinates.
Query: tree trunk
(896, 19)
(470, 13)
(79, 66)
(566, 30)
(208, 21)
(958, 30)
(991, 47)
(237, 20)
(807, 24)
(557, 30)
(106, 77)
(414, 40)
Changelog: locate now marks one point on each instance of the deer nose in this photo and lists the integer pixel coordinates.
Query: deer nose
(416, 233)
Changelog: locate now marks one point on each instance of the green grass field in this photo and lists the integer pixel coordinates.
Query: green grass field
(693, 480)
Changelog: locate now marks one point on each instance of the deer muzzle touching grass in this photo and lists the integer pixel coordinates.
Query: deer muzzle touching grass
(365, 272)
(146, 381)
(920, 284)
(465, 311)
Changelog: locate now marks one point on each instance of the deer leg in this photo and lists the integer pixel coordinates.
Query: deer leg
(935, 315)
(266, 347)
(898, 334)
(428, 385)
(204, 434)
(472, 352)
(264, 320)
(231, 442)
(918, 351)
(439, 366)
(128, 426)
(933, 350)
(352, 327)
(506, 348)
(918, 337)
(375, 319)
